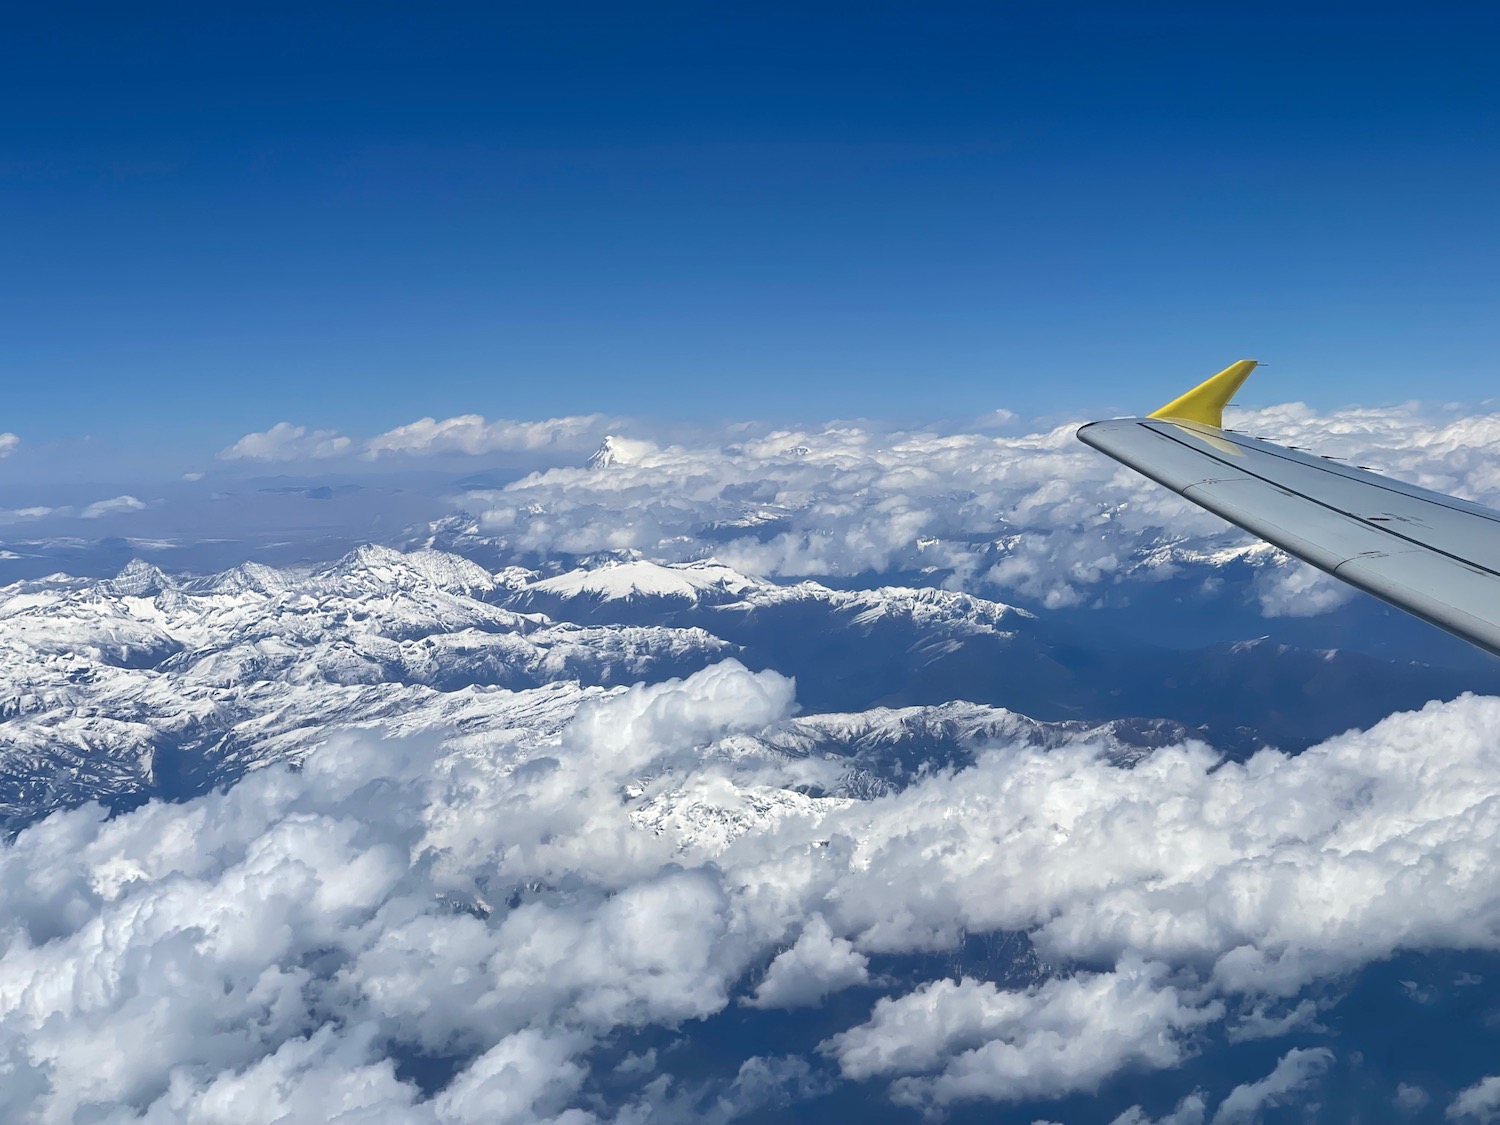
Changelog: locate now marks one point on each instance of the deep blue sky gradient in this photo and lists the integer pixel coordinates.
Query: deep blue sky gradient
(217, 217)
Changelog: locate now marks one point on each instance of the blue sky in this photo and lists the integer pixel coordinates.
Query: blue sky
(357, 215)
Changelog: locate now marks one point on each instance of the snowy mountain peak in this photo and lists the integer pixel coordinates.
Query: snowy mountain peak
(605, 456)
(248, 577)
(385, 568)
(643, 579)
(139, 579)
(615, 450)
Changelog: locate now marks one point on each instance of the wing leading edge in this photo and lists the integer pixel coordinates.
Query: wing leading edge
(1432, 555)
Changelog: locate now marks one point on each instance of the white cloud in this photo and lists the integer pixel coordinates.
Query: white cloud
(286, 442)
(467, 434)
(1298, 1069)
(1037, 516)
(1288, 587)
(816, 965)
(256, 950)
(111, 507)
(1031, 516)
(271, 949)
(1000, 511)
(985, 1042)
(8, 444)
(471, 434)
(1478, 1103)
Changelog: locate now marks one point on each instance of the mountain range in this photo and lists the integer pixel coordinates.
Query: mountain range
(148, 684)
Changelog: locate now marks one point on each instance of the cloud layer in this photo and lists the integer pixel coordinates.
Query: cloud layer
(1035, 516)
(290, 947)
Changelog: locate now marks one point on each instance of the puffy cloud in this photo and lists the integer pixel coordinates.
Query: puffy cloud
(1479, 1102)
(816, 965)
(1298, 1069)
(8, 444)
(1037, 516)
(471, 434)
(286, 442)
(467, 434)
(115, 505)
(985, 1042)
(1001, 511)
(526, 1077)
(287, 947)
(1265, 873)
(255, 953)
(1289, 587)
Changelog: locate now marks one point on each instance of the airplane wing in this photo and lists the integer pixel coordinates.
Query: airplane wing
(1432, 555)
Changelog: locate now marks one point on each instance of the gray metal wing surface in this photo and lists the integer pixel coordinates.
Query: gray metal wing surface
(1432, 555)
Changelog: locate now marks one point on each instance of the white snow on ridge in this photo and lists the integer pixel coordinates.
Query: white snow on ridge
(105, 684)
(123, 685)
(543, 861)
(639, 578)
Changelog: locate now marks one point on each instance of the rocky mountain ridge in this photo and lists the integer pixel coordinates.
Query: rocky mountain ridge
(153, 684)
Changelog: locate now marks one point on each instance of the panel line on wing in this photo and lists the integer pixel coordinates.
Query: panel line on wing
(1382, 529)
(1394, 487)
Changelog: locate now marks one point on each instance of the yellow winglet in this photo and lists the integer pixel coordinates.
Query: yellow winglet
(1205, 403)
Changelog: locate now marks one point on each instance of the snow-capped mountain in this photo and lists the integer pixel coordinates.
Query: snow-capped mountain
(851, 649)
(910, 825)
(145, 684)
(148, 683)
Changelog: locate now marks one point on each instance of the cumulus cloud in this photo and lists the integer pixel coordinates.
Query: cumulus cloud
(281, 947)
(257, 952)
(8, 444)
(467, 434)
(816, 965)
(1039, 514)
(471, 434)
(1035, 515)
(115, 505)
(286, 442)
(1289, 1081)
(989, 508)
(986, 1042)
(1288, 587)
